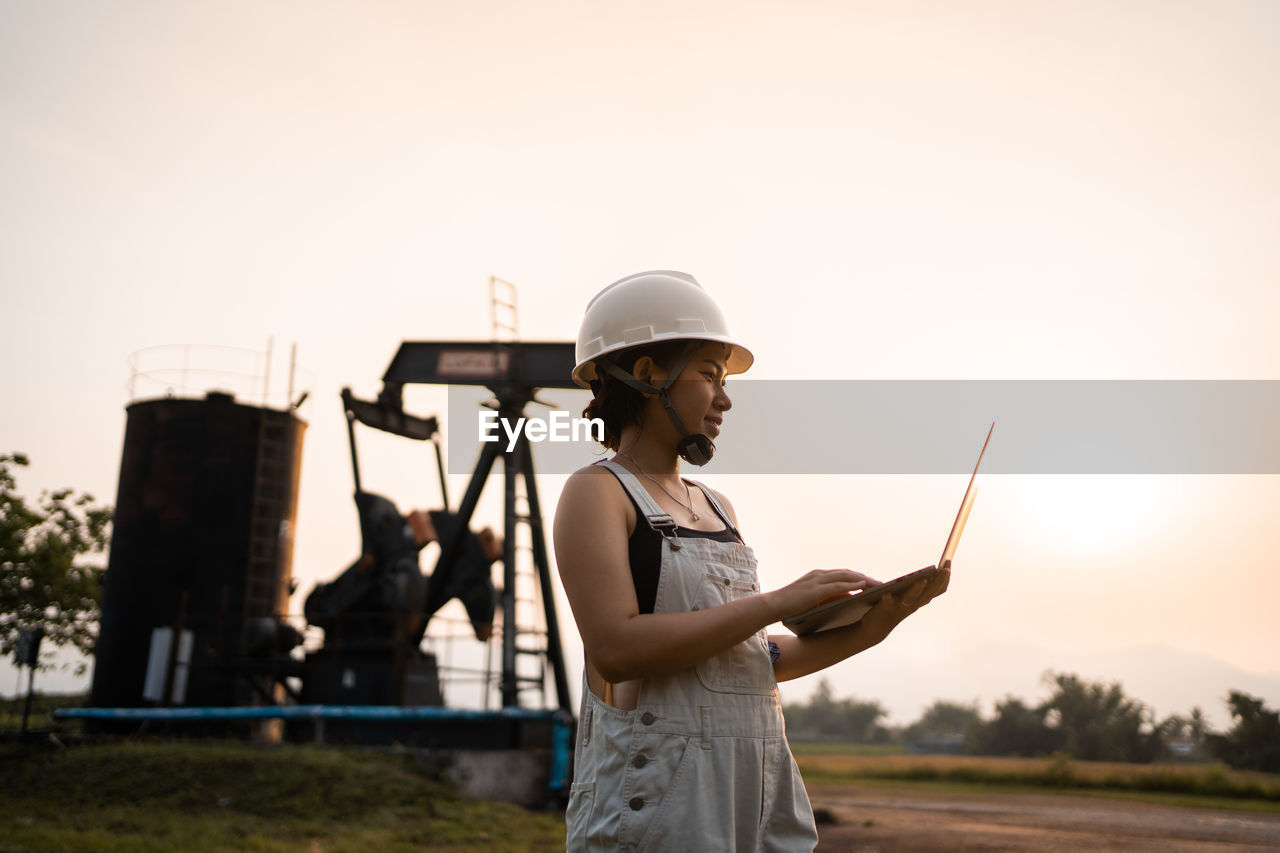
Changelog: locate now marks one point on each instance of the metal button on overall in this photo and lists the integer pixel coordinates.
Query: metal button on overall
(637, 803)
(648, 718)
(639, 761)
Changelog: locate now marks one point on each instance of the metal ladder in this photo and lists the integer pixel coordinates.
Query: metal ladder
(503, 316)
(271, 488)
(531, 641)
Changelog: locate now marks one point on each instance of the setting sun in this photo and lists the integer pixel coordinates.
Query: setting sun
(1088, 515)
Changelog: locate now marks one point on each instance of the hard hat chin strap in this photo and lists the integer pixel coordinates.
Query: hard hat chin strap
(693, 447)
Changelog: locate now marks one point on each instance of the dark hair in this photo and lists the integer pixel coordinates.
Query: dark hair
(616, 403)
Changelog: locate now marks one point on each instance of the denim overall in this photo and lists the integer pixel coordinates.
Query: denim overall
(702, 763)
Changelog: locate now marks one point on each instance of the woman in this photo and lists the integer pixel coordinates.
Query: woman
(680, 740)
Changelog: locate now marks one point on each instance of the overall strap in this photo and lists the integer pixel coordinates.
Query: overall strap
(661, 522)
(718, 506)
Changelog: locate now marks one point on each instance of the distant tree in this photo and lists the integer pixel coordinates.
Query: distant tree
(1182, 736)
(44, 582)
(830, 718)
(1198, 727)
(1253, 743)
(1174, 726)
(1098, 722)
(862, 720)
(943, 727)
(1016, 730)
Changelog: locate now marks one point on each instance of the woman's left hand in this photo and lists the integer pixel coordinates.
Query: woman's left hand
(890, 610)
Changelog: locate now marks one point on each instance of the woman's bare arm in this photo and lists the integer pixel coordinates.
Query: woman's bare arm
(799, 656)
(590, 535)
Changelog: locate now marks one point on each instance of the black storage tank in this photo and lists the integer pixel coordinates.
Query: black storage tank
(202, 543)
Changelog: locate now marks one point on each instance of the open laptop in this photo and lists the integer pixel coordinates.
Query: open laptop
(850, 608)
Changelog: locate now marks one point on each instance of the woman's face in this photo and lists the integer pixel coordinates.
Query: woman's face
(699, 395)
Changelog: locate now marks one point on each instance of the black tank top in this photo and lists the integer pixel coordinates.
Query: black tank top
(644, 551)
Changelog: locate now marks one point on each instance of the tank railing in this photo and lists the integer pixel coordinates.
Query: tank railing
(193, 370)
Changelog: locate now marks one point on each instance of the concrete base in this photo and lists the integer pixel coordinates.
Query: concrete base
(519, 776)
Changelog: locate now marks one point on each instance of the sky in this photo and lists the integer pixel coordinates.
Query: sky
(920, 190)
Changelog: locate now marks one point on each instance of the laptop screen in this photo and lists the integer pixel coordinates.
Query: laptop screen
(953, 540)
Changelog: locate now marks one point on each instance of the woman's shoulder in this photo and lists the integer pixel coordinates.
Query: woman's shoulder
(594, 476)
(594, 489)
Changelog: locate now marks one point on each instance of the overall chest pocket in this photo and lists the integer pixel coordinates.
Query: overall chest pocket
(745, 668)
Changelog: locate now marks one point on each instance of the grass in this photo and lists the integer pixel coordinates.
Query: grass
(216, 796)
(1207, 784)
(227, 796)
(42, 708)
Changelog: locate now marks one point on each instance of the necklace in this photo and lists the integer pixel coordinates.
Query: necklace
(687, 496)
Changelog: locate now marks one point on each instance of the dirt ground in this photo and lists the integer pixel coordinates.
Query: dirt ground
(870, 819)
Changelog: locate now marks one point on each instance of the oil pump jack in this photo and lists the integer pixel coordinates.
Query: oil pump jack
(376, 612)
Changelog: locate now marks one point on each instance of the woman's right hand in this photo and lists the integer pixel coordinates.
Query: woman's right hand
(816, 587)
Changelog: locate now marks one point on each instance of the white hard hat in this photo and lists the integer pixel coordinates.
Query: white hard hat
(649, 307)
